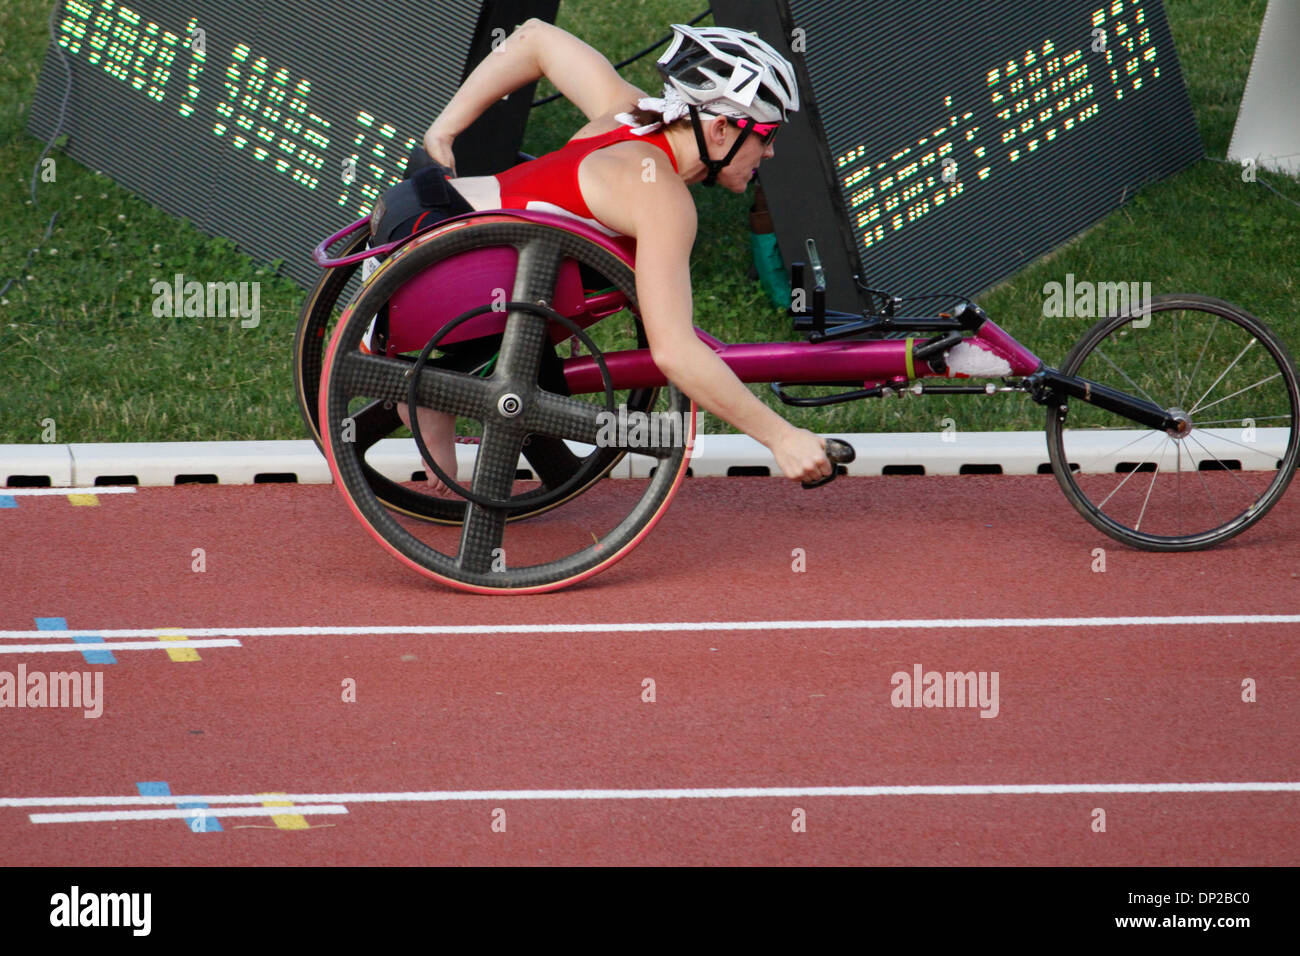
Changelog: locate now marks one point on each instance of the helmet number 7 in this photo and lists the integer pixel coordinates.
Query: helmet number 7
(744, 82)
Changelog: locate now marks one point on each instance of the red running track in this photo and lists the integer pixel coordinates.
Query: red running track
(793, 706)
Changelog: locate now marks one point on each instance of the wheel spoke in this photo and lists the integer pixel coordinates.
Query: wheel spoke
(377, 420)
(1217, 437)
(1102, 355)
(1222, 466)
(562, 417)
(666, 433)
(1127, 427)
(521, 348)
(538, 270)
(1210, 495)
(1182, 399)
(658, 435)
(457, 393)
(525, 332)
(1178, 480)
(551, 458)
(1102, 504)
(481, 539)
(1238, 421)
(1150, 488)
(1220, 378)
(1177, 372)
(1201, 408)
(371, 376)
(494, 477)
(1116, 451)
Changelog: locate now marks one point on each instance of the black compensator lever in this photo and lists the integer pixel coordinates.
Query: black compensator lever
(819, 287)
(796, 283)
(840, 453)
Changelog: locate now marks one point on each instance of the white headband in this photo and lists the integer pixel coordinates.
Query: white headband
(671, 107)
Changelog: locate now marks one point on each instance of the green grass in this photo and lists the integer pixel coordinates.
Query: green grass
(79, 343)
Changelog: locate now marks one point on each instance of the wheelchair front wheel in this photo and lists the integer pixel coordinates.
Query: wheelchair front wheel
(1232, 380)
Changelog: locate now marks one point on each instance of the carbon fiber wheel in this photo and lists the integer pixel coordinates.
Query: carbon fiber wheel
(315, 322)
(552, 462)
(487, 553)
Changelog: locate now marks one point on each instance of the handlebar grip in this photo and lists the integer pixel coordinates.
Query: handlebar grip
(840, 453)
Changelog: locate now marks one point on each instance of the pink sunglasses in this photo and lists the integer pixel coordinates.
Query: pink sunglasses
(766, 132)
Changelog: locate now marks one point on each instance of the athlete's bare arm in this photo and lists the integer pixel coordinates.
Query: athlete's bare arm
(536, 49)
(656, 209)
(659, 211)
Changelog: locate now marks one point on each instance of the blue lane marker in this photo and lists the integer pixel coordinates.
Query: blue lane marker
(199, 823)
(61, 624)
(8, 501)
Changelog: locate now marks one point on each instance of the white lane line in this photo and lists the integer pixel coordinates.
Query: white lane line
(97, 490)
(111, 646)
(196, 813)
(301, 801)
(614, 627)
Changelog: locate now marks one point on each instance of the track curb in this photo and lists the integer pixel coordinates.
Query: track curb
(257, 462)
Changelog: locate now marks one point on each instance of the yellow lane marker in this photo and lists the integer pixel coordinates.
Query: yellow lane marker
(180, 655)
(285, 821)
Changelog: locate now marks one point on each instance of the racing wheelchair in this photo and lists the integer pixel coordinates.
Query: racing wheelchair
(1169, 427)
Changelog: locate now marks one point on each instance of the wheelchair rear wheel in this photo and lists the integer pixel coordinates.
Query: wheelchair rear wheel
(565, 438)
(552, 462)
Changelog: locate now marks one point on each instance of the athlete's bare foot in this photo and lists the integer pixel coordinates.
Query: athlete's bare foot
(438, 429)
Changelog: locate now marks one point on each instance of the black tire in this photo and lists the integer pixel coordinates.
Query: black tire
(314, 324)
(1222, 482)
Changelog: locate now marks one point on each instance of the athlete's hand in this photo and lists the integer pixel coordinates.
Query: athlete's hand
(801, 455)
(438, 145)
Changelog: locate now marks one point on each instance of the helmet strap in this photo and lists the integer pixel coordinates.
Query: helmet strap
(714, 166)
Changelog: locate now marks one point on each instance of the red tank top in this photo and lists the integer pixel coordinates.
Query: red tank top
(550, 182)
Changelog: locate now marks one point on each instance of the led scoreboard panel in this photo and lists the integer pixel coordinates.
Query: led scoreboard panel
(277, 123)
(963, 140)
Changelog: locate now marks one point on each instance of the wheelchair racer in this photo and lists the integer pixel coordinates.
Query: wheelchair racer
(725, 95)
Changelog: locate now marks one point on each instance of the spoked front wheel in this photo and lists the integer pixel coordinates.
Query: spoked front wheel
(1209, 364)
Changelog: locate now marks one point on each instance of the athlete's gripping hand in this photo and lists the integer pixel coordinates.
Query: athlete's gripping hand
(801, 455)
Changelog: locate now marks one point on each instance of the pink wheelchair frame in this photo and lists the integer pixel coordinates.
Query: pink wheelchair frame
(446, 287)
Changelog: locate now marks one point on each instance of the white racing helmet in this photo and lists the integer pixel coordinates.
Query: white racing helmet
(725, 72)
(729, 72)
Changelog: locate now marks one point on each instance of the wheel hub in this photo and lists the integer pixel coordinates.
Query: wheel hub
(510, 405)
(1182, 424)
